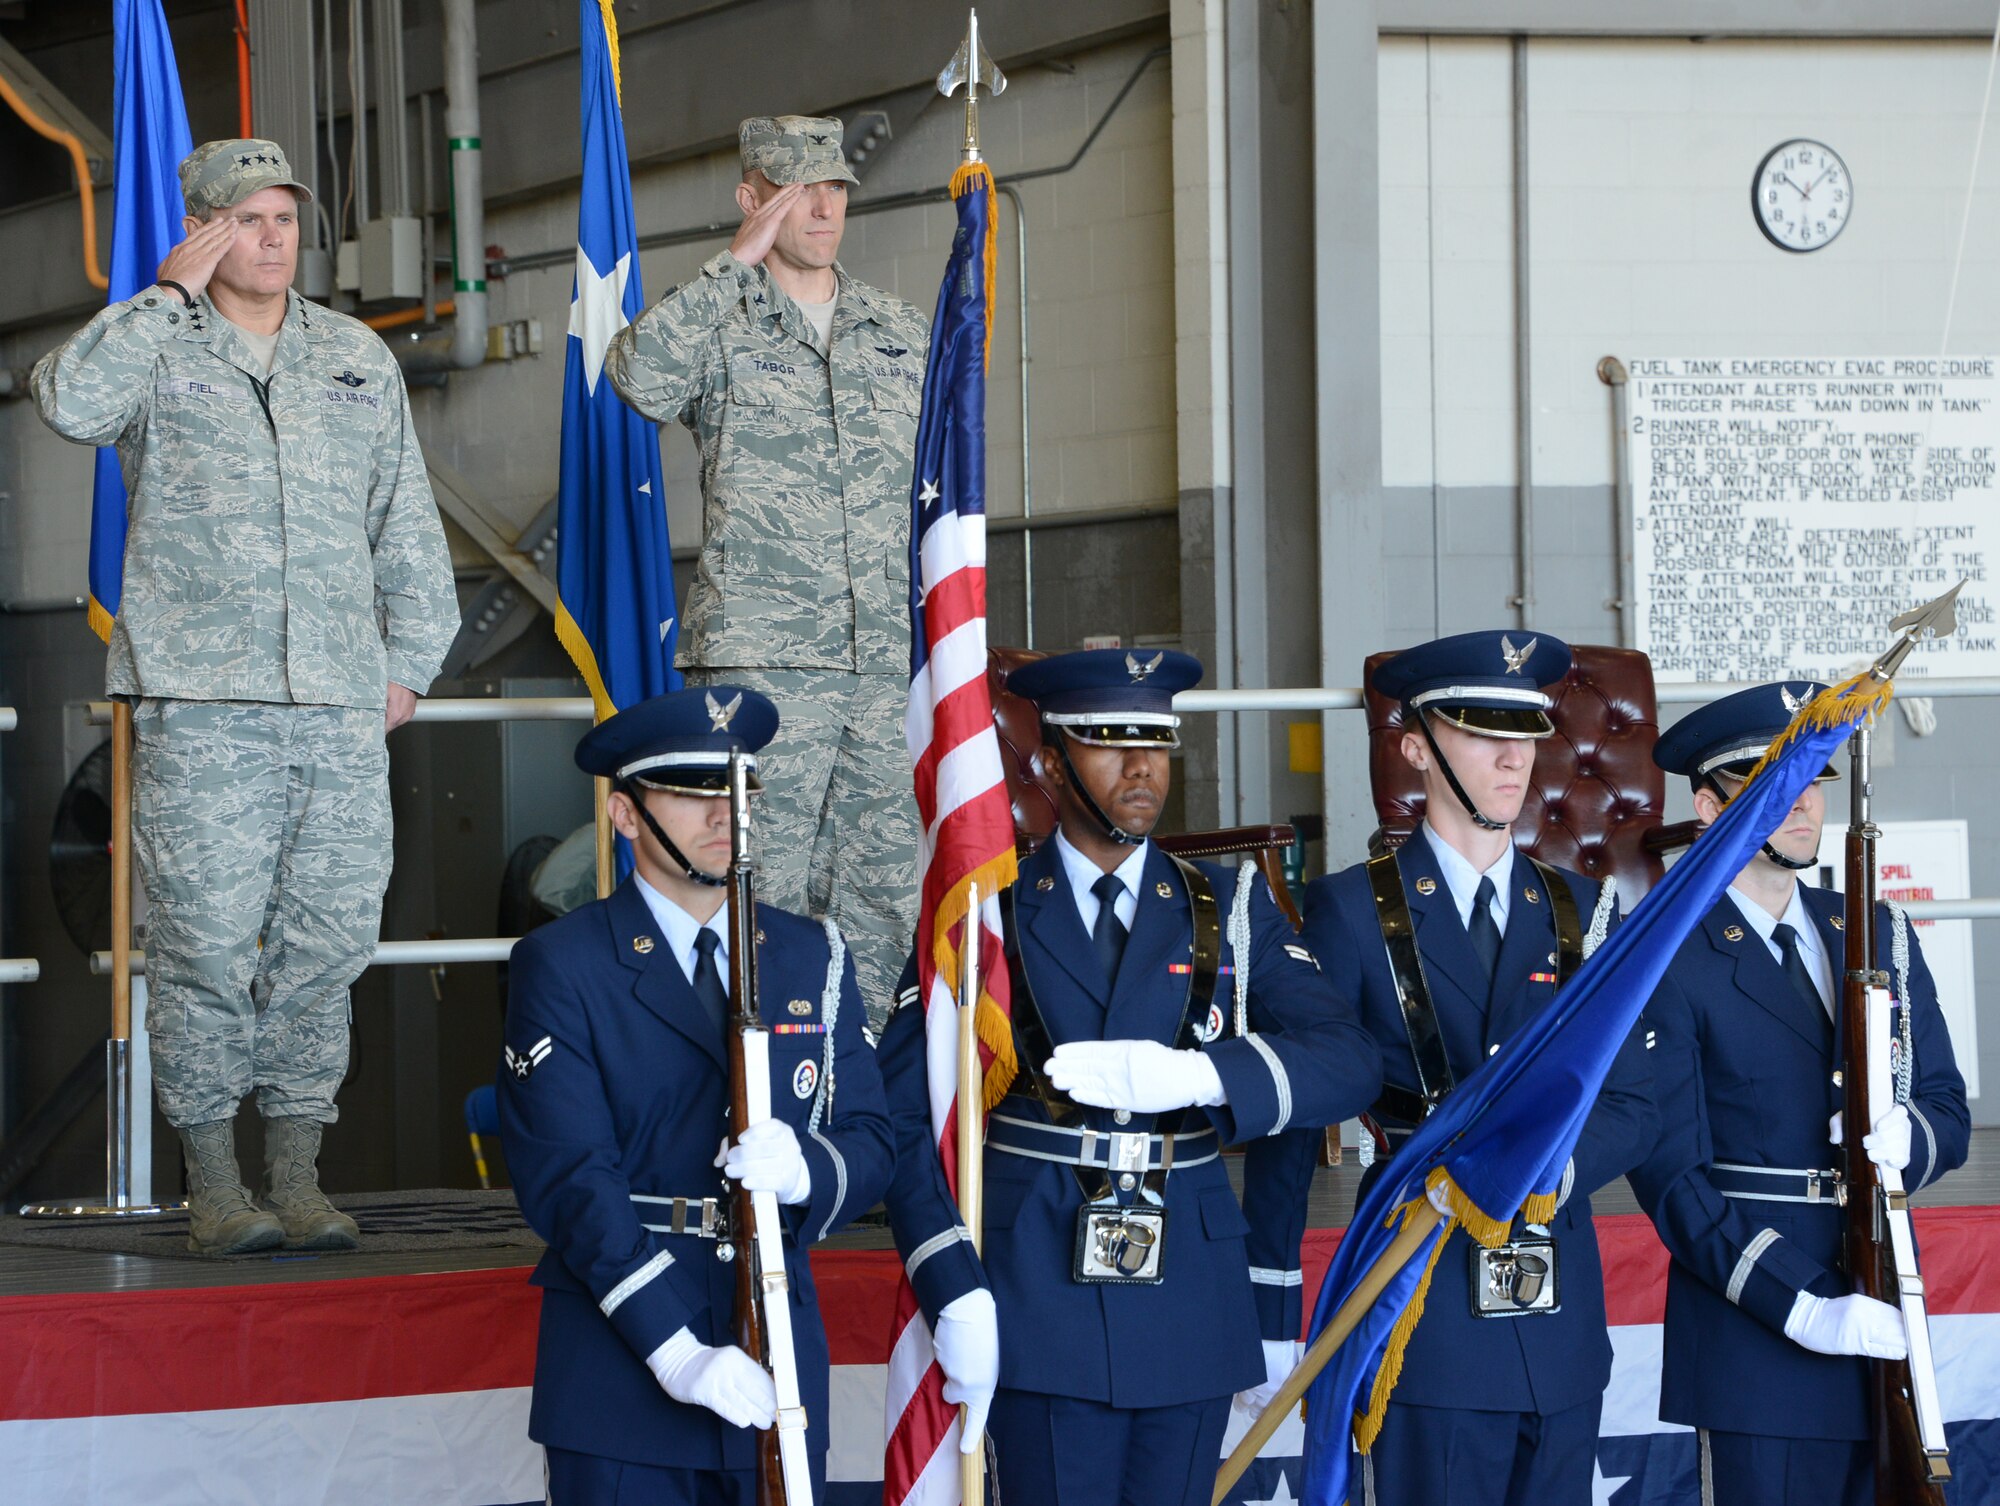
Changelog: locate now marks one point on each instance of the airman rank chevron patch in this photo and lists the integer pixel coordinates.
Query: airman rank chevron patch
(521, 1063)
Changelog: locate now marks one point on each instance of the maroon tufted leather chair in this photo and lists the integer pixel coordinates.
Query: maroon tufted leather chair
(1019, 724)
(1596, 795)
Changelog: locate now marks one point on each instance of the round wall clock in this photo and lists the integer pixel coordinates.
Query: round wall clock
(1802, 195)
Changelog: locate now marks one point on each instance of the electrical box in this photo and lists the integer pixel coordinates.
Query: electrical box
(315, 275)
(392, 259)
(347, 267)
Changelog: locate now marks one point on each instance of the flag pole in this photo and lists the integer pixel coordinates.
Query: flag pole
(971, 1151)
(1416, 1229)
(601, 788)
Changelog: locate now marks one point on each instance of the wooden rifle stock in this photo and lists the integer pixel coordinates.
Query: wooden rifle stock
(1905, 1473)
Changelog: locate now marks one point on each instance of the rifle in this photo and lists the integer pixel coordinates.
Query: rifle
(763, 1291)
(1879, 1246)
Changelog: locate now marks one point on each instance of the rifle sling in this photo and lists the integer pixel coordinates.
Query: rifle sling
(1033, 1046)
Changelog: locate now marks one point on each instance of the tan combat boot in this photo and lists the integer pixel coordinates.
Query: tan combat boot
(222, 1218)
(291, 1149)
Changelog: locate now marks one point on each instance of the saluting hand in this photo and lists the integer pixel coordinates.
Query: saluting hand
(759, 230)
(195, 259)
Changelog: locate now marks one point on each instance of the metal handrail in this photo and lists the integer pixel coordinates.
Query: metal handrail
(387, 954)
(1300, 698)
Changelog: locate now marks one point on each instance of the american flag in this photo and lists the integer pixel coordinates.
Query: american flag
(968, 825)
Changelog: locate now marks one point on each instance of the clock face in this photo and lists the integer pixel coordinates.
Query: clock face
(1801, 195)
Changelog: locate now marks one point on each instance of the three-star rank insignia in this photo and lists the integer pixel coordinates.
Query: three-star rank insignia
(799, 1006)
(1164, 889)
(521, 1063)
(1427, 886)
(1732, 933)
(642, 944)
(1532, 896)
(1045, 884)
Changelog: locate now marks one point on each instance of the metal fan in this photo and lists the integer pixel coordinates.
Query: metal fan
(80, 852)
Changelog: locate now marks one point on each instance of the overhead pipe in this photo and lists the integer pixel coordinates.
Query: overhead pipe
(464, 345)
(80, 161)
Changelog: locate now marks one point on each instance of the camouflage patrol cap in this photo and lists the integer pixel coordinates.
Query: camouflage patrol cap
(794, 148)
(222, 174)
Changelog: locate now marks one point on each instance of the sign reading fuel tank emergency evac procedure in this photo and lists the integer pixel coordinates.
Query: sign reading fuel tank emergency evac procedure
(1784, 509)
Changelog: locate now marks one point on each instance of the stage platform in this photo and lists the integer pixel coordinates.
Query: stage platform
(400, 1375)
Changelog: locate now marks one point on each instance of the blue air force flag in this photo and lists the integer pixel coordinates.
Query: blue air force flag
(614, 569)
(149, 137)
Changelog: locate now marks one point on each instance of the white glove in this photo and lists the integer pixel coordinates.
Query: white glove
(1440, 1199)
(721, 1378)
(1281, 1358)
(1141, 1076)
(766, 1158)
(1888, 1145)
(1847, 1325)
(967, 1341)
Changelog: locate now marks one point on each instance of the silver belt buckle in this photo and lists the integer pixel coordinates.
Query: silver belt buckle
(1128, 1152)
(1120, 1246)
(1516, 1280)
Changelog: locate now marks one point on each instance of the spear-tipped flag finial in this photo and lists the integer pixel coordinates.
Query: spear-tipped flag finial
(971, 67)
(1934, 619)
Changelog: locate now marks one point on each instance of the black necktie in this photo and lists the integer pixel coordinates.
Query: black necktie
(1481, 928)
(1796, 972)
(1108, 935)
(708, 982)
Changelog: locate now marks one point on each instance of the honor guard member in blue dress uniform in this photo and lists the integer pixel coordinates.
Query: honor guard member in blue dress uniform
(1162, 1010)
(613, 1098)
(1763, 1330)
(1452, 944)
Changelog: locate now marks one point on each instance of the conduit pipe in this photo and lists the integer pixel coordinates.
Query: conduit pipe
(464, 345)
(80, 161)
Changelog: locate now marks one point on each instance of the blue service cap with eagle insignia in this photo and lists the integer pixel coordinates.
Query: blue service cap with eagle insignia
(681, 741)
(1489, 683)
(1110, 697)
(1729, 736)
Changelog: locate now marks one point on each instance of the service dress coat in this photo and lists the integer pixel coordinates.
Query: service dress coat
(1305, 1061)
(1744, 1075)
(1543, 1363)
(615, 1095)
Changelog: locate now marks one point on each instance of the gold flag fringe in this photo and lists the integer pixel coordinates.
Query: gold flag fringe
(1851, 700)
(971, 176)
(1368, 1424)
(996, 1032)
(611, 41)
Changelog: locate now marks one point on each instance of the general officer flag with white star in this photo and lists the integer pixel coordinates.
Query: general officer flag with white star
(614, 568)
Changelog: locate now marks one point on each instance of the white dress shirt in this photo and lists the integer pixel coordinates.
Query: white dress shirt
(1462, 879)
(1812, 950)
(679, 929)
(1083, 873)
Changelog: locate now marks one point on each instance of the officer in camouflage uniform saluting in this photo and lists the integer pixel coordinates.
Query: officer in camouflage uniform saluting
(802, 387)
(287, 595)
